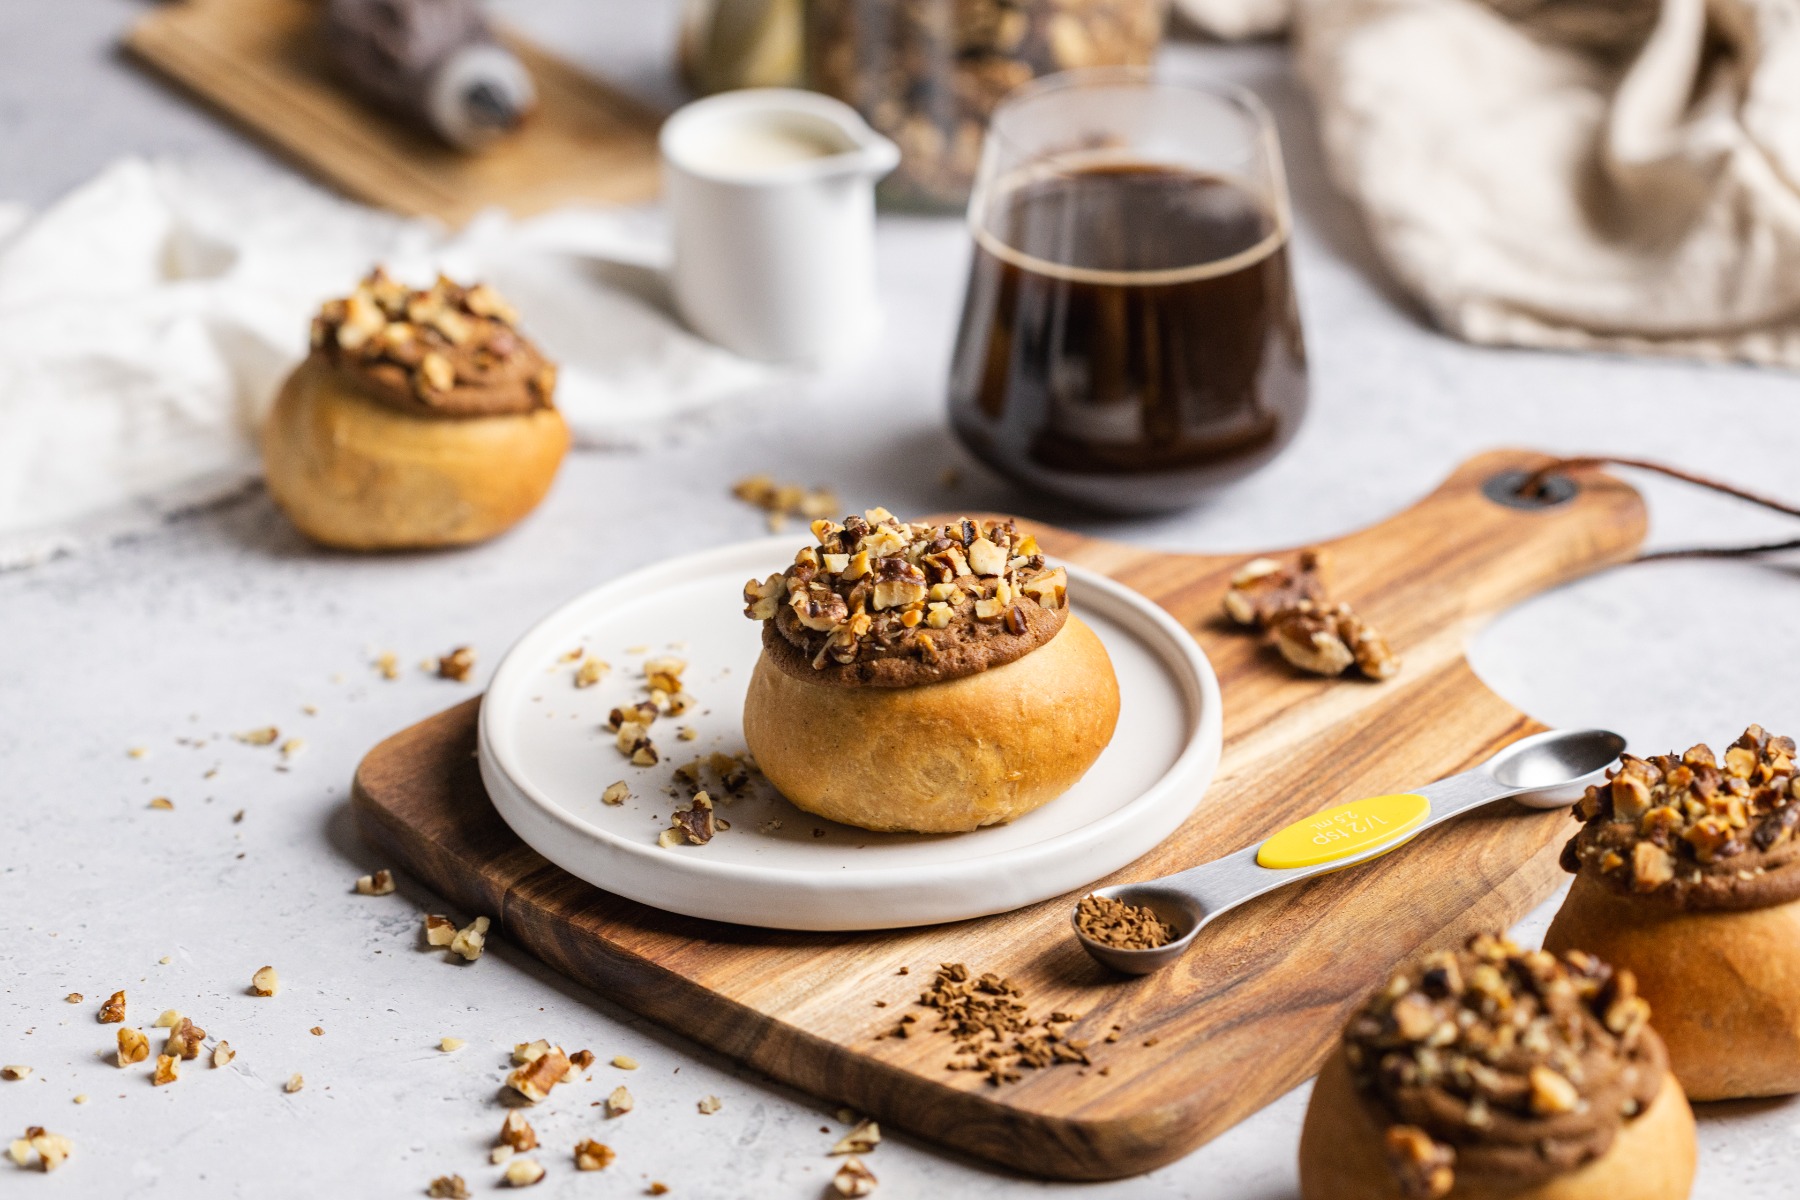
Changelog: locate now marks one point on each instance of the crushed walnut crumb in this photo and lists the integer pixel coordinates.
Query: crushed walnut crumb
(694, 825)
(47, 1151)
(265, 736)
(184, 1040)
(542, 1071)
(113, 1010)
(471, 940)
(295, 1082)
(625, 1062)
(1290, 606)
(860, 1140)
(616, 793)
(74, 998)
(1677, 819)
(619, 1102)
(134, 1047)
(162, 804)
(448, 1187)
(709, 1105)
(449, 1045)
(854, 1179)
(783, 500)
(591, 1155)
(439, 930)
(222, 1054)
(265, 982)
(516, 1133)
(165, 1070)
(877, 587)
(14, 1072)
(381, 883)
(388, 663)
(1120, 925)
(991, 1026)
(523, 1172)
(591, 671)
(457, 665)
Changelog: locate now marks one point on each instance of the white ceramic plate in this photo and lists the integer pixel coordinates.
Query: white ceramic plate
(546, 756)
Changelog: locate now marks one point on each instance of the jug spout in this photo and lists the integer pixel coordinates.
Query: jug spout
(772, 136)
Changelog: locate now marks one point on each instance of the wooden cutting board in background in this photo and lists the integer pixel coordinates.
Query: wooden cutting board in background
(1253, 1007)
(263, 63)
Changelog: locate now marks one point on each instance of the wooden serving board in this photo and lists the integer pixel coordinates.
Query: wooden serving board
(1252, 1008)
(264, 64)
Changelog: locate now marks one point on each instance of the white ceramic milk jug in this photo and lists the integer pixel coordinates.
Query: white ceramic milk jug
(771, 195)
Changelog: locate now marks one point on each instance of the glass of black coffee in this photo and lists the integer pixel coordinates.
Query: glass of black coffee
(1130, 339)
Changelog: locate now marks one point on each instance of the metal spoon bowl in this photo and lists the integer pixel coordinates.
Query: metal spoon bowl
(1547, 770)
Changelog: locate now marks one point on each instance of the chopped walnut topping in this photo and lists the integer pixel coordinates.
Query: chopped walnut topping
(381, 883)
(134, 1047)
(1311, 632)
(523, 1172)
(165, 1070)
(439, 930)
(1125, 926)
(471, 939)
(543, 1072)
(1495, 1050)
(265, 982)
(695, 823)
(223, 1054)
(448, 1187)
(854, 1179)
(113, 1011)
(864, 1138)
(593, 1156)
(784, 500)
(619, 1102)
(516, 1132)
(873, 581)
(709, 1105)
(1670, 818)
(457, 665)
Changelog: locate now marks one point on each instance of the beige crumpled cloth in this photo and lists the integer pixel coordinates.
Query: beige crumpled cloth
(1584, 174)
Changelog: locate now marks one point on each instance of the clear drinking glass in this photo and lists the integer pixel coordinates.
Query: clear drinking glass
(1130, 338)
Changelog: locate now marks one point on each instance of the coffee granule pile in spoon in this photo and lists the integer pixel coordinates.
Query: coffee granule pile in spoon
(1120, 925)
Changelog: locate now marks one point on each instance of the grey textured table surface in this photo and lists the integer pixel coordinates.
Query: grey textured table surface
(229, 621)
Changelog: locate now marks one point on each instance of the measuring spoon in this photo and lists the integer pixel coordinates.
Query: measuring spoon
(1548, 770)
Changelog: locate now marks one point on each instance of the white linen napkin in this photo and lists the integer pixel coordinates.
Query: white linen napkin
(147, 319)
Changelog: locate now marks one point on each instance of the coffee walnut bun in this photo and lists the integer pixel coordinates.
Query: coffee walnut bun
(924, 678)
(1493, 1072)
(420, 419)
(1687, 871)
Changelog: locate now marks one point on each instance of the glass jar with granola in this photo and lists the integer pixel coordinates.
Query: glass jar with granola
(928, 72)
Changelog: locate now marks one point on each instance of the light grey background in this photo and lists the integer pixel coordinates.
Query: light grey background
(228, 620)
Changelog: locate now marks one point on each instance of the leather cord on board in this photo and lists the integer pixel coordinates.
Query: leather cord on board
(1533, 485)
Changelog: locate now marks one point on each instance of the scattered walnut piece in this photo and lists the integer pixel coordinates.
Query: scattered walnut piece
(783, 500)
(113, 1010)
(616, 793)
(134, 1047)
(591, 671)
(265, 982)
(165, 1070)
(259, 737)
(223, 1054)
(657, 1188)
(388, 663)
(1262, 588)
(625, 1062)
(162, 804)
(51, 1148)
(516, 1132)
(14, 1072)
(535, 1079)
(581, 1060)
(593, 1156)
(523, 1172)
(74, 998)
(526, 1052)
(864, 1138)
(184, 1040)
(1312, 633)
(457, 665)
(451, 1044)
(694, 824)
(292, 747)
(295, 1082)
(439, 930)
(381, 883)
(854, 1179)
(709, 1105)
(448, 1187)
(471, 939)
(168, 1020)
(620, 1102)
(81, 1098)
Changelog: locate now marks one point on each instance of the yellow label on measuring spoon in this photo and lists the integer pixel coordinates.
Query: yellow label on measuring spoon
(1344, 831)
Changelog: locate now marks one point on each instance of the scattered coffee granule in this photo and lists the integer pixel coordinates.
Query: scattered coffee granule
(381, 883)
(163, 804)
(992, 1028)
(620, 1102)
(523, 1172)
(134, 1047)
(708, 1104)
(783, 500)
(864, 1138)
(51, 1148)
(457, 664)
(14, 1072)
(295, 1082)
(1120, 925)
(593, 1156)
(854, 1179)
(259, 737)
(448, 1187)
(265, 982)
(516, 1132)
(165, 1071)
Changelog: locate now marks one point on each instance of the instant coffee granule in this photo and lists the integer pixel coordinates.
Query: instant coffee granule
(993, 1029)
(1120, 925)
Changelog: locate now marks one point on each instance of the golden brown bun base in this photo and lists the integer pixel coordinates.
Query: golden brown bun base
(1342, 1156)
(357, 474)
(1723, 987)
(943, 757)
